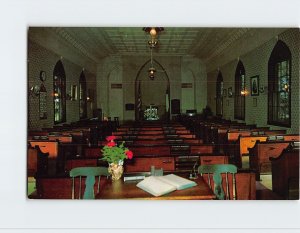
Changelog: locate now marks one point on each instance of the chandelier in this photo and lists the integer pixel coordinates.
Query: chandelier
(153, 32)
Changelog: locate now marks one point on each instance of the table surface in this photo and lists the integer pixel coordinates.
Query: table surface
(128, 190)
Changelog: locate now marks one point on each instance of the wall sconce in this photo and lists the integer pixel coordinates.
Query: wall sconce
(244, 92)
(90, 95)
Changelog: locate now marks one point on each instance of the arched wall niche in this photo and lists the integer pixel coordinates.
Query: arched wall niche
(152, 92)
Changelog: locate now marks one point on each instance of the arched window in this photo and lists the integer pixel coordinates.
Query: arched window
(82, 97)
(219, 94)
(59, 93)
(279, 82)
(239, 97)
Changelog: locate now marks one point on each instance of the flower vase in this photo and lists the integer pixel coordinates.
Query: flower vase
(116, 170)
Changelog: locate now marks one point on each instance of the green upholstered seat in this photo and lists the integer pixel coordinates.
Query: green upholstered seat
(90, 173)
(217, 170)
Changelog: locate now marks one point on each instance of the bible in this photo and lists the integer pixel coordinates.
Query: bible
(161, 185)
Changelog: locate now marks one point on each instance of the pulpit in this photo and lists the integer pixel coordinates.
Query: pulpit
(150, 113)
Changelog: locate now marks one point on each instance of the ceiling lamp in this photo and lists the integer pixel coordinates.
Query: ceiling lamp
(151, 72)
(153, 31)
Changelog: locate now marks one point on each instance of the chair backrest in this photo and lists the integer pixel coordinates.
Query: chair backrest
(217, 170)
(89, 173)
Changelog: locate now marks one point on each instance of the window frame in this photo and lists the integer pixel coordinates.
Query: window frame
(59, 72)
(279, 54)
(238, 87)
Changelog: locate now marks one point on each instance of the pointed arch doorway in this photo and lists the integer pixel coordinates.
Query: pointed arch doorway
(154, 92)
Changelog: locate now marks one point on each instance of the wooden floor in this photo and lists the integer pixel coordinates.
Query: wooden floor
(264, 186)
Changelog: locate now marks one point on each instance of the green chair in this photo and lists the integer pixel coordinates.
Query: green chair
(216, 170)
(89, 173)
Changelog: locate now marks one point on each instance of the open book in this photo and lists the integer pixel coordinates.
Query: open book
(160, 185)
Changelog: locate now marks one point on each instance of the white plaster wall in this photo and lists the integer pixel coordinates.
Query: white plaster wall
(110, 100)
(193, 71)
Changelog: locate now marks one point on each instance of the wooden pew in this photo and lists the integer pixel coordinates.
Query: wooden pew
(207, 159)
(285, 173)
(32, 157)
(143, 164)
(184, 131)
(58, 153)
(246, 142)
(201, 149)
(61, 138)
(150, 142)
(284, 137)
(192, 141)
(50, 147)
(150, 150)
(180, 149)
(37, 161)
(153, 137)
(151, 132)
(261, 152)
(187, 136)
(186, 163)
(240, 147)
(80, 162)
(59, 187)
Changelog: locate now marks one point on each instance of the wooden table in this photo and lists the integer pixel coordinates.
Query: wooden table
(128, 190)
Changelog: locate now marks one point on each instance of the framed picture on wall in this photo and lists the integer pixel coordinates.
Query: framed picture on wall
(230, 92)
(254, 85)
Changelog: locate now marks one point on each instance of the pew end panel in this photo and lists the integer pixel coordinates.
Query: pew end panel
(285, 173)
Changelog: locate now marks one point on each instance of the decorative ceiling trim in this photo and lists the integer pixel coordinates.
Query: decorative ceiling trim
(257, 37)
(72, 41)
(223, 46)
(51, 41)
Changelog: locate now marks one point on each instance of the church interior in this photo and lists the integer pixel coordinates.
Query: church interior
(218, 107)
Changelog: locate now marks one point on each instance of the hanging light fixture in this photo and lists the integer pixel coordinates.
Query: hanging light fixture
(151, 70)
(153, 31)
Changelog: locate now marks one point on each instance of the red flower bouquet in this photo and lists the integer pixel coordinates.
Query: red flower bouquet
(114, 153)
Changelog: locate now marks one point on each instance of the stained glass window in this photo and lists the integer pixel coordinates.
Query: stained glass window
(219, 94)
(239, 97)
(59, 93)
(279, 78)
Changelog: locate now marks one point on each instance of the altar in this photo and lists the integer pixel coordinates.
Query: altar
(150, 114)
